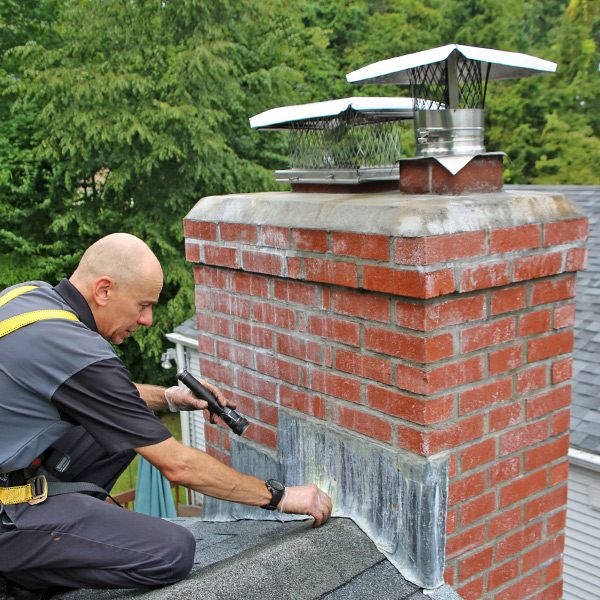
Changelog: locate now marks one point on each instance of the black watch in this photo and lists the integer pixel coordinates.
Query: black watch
(276, 488)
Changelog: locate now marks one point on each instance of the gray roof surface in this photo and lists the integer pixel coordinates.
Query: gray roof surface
(585, 409)
(288, 561)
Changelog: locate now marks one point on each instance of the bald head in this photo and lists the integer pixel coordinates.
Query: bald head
(121, 256)
(119, 275)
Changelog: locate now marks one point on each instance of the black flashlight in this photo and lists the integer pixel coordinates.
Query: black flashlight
(237, 422)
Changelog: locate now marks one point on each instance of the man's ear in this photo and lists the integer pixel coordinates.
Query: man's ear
(102, 289)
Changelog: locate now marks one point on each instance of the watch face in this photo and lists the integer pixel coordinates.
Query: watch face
(276, 485)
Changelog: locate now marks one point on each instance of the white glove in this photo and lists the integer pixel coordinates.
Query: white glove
(180, 398)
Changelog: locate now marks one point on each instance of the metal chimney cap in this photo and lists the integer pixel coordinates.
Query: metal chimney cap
(502, 64)
(285, 117)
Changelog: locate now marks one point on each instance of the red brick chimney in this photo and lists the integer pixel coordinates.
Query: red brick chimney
(430, 327)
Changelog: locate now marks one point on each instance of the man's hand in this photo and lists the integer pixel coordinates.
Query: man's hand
(306, 500)
(181, 398)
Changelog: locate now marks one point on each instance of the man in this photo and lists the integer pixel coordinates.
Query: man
(67, 398)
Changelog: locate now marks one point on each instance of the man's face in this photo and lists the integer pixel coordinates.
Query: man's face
(129, 307)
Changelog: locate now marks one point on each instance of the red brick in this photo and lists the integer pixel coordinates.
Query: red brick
(313, 240)
(481, 396)
(253, 334)
(564, 316)
(363, 366)
(484, 336)
(518, 541)
(506, 300)
(556, 523)
(484, 276)
(415, 284)
(556, 498)
(309, 404)
(192, 252)
(211, 277)
(333, 272)
(220, 456)
(295, 292)
(533, 267)
(365, 424)
(416, 410)
(505, 359)
(478, 454)
(530, 380)
(451, 521)
(477, 509)
(263, 435)
(554, 290)
(253, 285)
(535, 322)
(513, 239)
(274, 315)
(200, 230)
(206, 344)
(234, 353)
(562, 370)
(419, 349)
(526, 485)
(546, 453)
(466, 488)
(244, 404)
(543, 553)
(548, 402)
(238, 232)
(504, 471)
(431, 442)
(340, 330)
(577, 259)
(366, 306)
(426, 317)
(202, 299)
(565, 231)
(505, 416)
(527, 435)
(223, 257)
(260, 262)
(375, 247)
(440, 248)
(554, 592)
(441, 378)
(278, 237)
(257, 385)
(561, 422)
(297, 347)
(213, 324)
(294, 267)
(522, 589)
(472, 590)
(550, 345)
(339, 386)
(268, 414)
(476, 563)
(504, 522)
(503, 574)
(464, 541)
(232, 305)
(275, 367)
(215, 371)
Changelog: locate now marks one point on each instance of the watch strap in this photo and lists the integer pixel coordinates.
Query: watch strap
(277, 489)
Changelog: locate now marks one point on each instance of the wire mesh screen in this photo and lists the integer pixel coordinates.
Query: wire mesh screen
(349, 140)
(430, 86)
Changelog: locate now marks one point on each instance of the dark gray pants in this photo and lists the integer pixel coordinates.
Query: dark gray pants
(78, 541)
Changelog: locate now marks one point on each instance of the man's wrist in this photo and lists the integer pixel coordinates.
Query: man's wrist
(277, 490)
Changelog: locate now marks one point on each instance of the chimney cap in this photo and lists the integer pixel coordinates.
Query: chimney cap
(284, 117)
(502, 64)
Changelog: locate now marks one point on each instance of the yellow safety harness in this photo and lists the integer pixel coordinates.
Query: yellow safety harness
(36, 489)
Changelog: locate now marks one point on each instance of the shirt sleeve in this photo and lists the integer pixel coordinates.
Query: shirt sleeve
(103, 400)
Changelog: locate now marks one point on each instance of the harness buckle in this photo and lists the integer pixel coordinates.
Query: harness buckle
(39, 489)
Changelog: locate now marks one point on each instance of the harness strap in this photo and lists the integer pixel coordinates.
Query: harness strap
(16, 292)
(38, 488)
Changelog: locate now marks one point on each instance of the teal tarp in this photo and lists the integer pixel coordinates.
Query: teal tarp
(153, 492)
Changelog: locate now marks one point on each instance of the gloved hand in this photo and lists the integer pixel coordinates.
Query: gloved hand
(181, 398)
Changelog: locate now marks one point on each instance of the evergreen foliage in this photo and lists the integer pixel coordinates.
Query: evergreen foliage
(118, 115)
